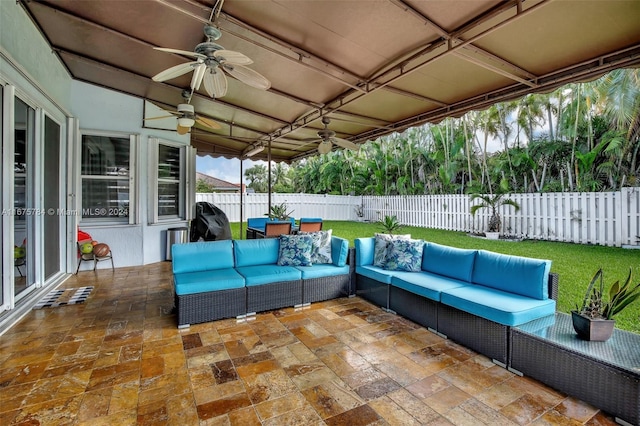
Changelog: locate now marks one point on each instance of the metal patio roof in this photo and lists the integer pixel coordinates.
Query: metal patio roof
(372, 66)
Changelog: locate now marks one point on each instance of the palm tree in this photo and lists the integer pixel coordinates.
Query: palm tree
(492, 202)
(257, 175)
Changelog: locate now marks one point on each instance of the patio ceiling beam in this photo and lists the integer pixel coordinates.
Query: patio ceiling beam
(453, 38)
(297, 55)
(403, 67)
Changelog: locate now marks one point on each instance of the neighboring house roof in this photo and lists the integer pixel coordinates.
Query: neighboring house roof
(218, 184)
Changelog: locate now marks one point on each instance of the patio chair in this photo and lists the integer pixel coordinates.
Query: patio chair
(308, 226)
(91, 257)
(275, 229)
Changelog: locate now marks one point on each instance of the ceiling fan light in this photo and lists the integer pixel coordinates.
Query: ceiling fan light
(324, 147)
(186, 122)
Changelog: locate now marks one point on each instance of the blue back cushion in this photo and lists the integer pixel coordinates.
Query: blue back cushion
(515, 274)
(339, 250)
(202, 256)
(448, 261)
(364, 250)
(263, 251)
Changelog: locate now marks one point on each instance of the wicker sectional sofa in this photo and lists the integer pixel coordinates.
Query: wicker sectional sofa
(234, 278)
(470, 296)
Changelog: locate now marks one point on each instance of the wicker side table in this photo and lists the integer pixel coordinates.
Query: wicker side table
(604, 374)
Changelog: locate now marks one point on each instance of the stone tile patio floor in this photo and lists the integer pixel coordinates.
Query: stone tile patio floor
(119, 359)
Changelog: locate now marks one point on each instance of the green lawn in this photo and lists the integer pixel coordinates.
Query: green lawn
(575, 263)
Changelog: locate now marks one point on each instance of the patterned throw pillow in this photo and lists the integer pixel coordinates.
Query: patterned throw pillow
(321, 250)
(405, 255)
(295, 250)
(380, 248)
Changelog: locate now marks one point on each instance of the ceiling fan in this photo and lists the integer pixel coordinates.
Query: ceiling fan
(211, 63)
(187, 117)
(328, 137)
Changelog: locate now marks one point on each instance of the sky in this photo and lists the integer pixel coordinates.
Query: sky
(222, 168)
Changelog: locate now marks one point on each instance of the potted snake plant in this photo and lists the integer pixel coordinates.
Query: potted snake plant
(593, 320)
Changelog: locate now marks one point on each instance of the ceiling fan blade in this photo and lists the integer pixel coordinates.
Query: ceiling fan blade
(159, 118)
(308, 142)
(198, 75)
(182, 130)
(248, 76)
(345, 144)
(207, 122)
(175, 71)
(232, 57)
(182, 52)
(215, 83)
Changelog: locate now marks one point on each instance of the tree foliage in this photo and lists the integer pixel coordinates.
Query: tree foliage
(581, 137)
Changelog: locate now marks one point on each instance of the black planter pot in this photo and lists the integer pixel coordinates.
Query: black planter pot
(595, 330)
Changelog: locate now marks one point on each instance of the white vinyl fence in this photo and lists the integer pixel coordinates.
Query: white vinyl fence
(603, 218)
(328, 207)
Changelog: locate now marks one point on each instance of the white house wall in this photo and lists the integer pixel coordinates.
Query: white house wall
(99, 109)
(21, 41)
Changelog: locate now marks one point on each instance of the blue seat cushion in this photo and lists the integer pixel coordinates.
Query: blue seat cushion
(263, 251)
(268, 274)
(425, 284)
(496, 305)
(448, 261)
(375, 273)
(515, 274)
(322, 270)
(201, 256)
(205, 281)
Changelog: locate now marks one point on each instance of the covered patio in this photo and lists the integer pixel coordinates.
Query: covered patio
(119, 359)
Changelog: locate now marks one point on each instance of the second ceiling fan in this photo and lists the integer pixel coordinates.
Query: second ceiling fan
(328, 137)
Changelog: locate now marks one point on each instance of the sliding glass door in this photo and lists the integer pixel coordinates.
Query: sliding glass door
(24, 207)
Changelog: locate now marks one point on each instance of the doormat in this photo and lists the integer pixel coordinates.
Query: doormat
(64, 296)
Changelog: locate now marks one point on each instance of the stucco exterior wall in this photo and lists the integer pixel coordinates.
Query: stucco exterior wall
(21, 41)
(102, 109)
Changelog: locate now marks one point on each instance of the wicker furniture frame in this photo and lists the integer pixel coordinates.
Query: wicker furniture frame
(418, 309)
(373, 290)
(210, 306)
(271, 296)
(325, 288)
(604, 374)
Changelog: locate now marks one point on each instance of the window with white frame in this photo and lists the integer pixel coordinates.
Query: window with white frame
(107, 173)
(170, 168)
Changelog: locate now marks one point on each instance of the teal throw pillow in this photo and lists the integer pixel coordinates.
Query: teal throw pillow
(380, 248)
(321, 250)
(405, 255)
(295, 250)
